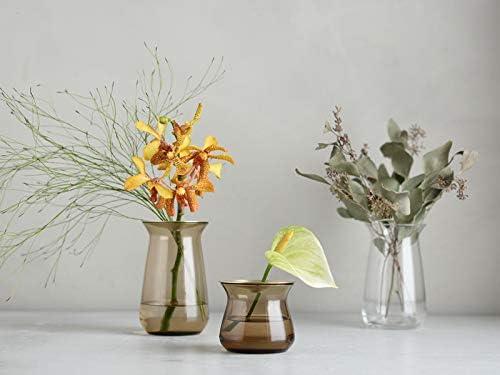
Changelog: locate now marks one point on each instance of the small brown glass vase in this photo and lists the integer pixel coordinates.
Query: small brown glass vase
(256, 319)
(174, 294)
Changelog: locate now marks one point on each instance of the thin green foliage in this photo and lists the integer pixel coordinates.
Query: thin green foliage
(70, 175)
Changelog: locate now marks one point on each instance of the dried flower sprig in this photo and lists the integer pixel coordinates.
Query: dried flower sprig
(391, 202)
(72, 170)
(371, 193)
(415, 139)
(342, 138)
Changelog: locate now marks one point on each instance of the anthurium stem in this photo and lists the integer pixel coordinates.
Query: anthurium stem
(266, 273)
(254, 303)
(280, 247)
(257, 297)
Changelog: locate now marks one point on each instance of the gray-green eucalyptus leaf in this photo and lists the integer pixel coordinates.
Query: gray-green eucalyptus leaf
(413, 182)
(402, 200)
(343, 212)
(390, 183)
(431, 195)
(416, 204)
(356, 211)
(366, 167)
(395, 133)
(321, 146)
(358, 193)
(393, 130)
(313, 177)
(400, 159)
(343, 167)
(382, 172)
(437, 159)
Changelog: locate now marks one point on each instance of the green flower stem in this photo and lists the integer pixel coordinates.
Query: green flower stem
(257, 297)
(231, 326)
(165, 323)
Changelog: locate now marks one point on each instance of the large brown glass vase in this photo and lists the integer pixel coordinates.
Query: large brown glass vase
(256, 319)
(174, 294)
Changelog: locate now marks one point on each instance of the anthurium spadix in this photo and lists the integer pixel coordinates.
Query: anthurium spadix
(296, 250)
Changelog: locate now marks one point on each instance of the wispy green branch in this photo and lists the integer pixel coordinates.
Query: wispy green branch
(69, 176)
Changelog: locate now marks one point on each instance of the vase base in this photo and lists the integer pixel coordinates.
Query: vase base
(393, 322)
(256, 351)
(182, 321)
(391, 326)
(174, 333)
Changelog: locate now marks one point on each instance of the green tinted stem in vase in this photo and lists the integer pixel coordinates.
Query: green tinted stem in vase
(174, 295)
(165, 323)
(254, 303)
(270, 328)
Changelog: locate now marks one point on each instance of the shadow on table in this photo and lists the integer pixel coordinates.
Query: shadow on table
(68, 327)
(333, 319)
(188, 347)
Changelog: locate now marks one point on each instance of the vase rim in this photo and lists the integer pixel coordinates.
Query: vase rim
(256, 282)
(410, 225)
(173, 225)
(175, 222)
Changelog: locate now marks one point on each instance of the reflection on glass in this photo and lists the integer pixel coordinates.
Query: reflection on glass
(174, 295)
(394, 288)
(256, 319)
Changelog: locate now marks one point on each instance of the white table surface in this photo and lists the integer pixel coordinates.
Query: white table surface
(114, 343)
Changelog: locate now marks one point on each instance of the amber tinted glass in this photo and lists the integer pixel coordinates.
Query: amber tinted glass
(256, 319)
(174, 295)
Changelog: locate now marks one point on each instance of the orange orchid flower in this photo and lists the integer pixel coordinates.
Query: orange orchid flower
(201, 158)
(153, 184)
(192, 165)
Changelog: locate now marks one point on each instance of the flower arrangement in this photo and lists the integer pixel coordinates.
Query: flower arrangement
(297, 251)
(392, 202)
(179, 175)
(372, 194)
(67, 172)
(182, 168)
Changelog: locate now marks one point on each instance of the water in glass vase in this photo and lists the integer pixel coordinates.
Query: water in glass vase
(394, 295)
(173, 320)
(174, 293)
(256, 319)
(257, 335)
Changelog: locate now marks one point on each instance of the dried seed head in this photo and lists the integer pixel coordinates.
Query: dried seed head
(364, 150)
(415, 136)
(381, 207)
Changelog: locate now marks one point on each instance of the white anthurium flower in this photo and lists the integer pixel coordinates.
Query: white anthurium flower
(301, 255)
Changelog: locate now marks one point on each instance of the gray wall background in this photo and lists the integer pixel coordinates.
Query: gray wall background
(436, 63)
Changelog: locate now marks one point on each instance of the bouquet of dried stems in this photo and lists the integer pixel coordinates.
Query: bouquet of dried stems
(389, 200)
(374, 194)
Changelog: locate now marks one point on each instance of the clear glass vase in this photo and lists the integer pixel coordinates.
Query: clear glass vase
(394, 296)
(256, 319)
(174, 294)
